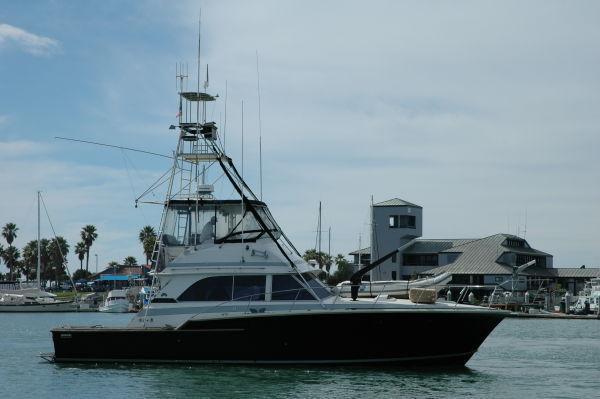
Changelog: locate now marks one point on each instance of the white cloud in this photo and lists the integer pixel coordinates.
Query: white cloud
(29, 42)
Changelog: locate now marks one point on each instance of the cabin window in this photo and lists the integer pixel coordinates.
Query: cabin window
(286, 288)
(316, 285)
(249, 288)
(209, 289)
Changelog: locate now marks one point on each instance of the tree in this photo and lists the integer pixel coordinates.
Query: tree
(130, 261)
(321, 258)
(148, 238)
(343, 272)
(10, 256)
(9, 232)
(81, 275)
(88, 236)
(29, 262)
(57, 258)
(80, 250)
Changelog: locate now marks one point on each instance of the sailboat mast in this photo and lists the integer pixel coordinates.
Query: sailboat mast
(39, 246)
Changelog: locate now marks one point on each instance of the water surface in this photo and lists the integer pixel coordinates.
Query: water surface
(522, 358)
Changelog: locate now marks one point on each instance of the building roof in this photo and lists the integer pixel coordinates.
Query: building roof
(429, 246)
(575, 272)
(364, 251)
(396, 202)
(480, 257)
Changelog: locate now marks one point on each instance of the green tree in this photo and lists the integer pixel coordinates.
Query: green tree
(321, 258)
(81, 275)
(130, 261)
(10, 256)
(343, 272)
(147, 237)
(80, 250)
(57, 258)
(9, 232)
(29, 262)
(88, 236)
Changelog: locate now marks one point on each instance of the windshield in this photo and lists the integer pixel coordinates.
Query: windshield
(318, 287)
(191, 224)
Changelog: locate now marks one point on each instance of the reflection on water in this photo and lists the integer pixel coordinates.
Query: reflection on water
(522, 358)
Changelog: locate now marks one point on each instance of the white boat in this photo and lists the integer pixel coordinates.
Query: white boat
(230, 287)
(21, 297)
(17, 296)
(115, 302)
(394, 288)
(589, 298)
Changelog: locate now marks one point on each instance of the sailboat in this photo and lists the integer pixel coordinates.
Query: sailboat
(16, 296)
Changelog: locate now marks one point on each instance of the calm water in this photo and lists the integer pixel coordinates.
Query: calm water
(522, 358)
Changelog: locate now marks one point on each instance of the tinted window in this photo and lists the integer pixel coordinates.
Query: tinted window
(209, 289)
(249, 288)
(316, 285)
(287, 288)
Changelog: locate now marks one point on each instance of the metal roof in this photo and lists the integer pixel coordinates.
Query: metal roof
(479, 257)
(428, 246)
(396, 202)
(364, 251)
(575, 272)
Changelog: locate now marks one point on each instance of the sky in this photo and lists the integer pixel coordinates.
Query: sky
(487, 114)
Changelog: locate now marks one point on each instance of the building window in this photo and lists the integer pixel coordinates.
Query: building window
(420, 259)
(407, 221)
(394, 221)
(516, 243)
(394, 258)
(209, 289)
(540, 261)
(394, 275)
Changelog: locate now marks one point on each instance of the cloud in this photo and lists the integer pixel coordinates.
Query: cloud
(27, 41)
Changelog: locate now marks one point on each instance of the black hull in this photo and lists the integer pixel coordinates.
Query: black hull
(436, 338)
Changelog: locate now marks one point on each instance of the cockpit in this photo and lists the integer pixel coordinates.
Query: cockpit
(190, 222)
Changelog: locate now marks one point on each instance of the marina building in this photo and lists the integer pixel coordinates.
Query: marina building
(487, 261)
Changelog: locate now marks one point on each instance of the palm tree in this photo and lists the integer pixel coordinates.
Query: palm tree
(88, 236)
(80, 250)
(9, 232)
(130, 261)
(57, 249)
(10, 256)
(148, 239)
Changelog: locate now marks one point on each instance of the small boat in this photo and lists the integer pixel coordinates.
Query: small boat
(15, 297)
(393, 288)
(116, 302)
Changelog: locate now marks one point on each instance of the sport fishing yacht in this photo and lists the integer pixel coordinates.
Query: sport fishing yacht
(230, 287)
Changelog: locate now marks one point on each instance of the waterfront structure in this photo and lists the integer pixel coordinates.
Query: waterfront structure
(487, 261)
(119, 276)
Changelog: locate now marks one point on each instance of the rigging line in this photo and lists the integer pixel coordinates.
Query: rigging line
(113, 146)
(259, 130)
(225, 121)
(156, 183)
(62, 256)
(128, 174)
